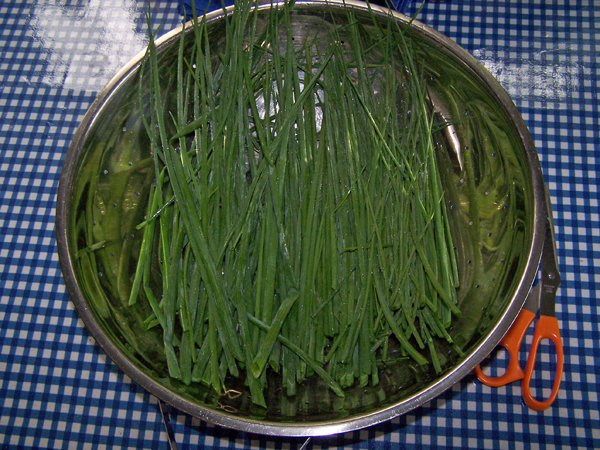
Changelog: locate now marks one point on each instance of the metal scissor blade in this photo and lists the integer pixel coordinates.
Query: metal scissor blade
(449, 130)
(550, 274)
(549, 258)
(532, 303)
(164, 412)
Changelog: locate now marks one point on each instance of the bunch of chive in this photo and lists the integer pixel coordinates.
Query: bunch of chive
(296, 223)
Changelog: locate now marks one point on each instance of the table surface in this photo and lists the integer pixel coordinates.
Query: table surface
(57, 387)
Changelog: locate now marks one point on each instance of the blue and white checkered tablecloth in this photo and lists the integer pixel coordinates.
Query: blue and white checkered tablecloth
(59, 390)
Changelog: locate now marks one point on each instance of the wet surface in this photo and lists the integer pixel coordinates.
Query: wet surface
(86, 44)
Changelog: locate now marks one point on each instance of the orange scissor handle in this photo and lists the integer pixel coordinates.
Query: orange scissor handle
(511, 342)
(546, 328)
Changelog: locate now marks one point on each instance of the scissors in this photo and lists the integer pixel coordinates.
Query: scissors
(540, 298)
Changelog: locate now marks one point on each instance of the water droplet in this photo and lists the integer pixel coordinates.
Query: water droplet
(193, 66)
(100, 274)
(105, 171)
(130, 163)
(114, 205)
(486, 193)
(124, 129)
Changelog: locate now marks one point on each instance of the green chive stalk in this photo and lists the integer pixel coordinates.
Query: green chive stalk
(297, 214)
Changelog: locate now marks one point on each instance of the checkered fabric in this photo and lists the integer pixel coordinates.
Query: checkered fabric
(59, 390)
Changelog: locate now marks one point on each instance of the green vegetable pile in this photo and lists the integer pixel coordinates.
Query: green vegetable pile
(296, 223)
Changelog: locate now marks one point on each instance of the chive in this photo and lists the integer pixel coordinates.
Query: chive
(302, 355)
(298, 217)
(266, 346)
(91, 248)
(396, 329)
(191, 222)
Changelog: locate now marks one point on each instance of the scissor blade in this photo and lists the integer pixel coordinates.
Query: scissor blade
(550, 274)
(449, 130)
(532, 303)
(549, 258)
